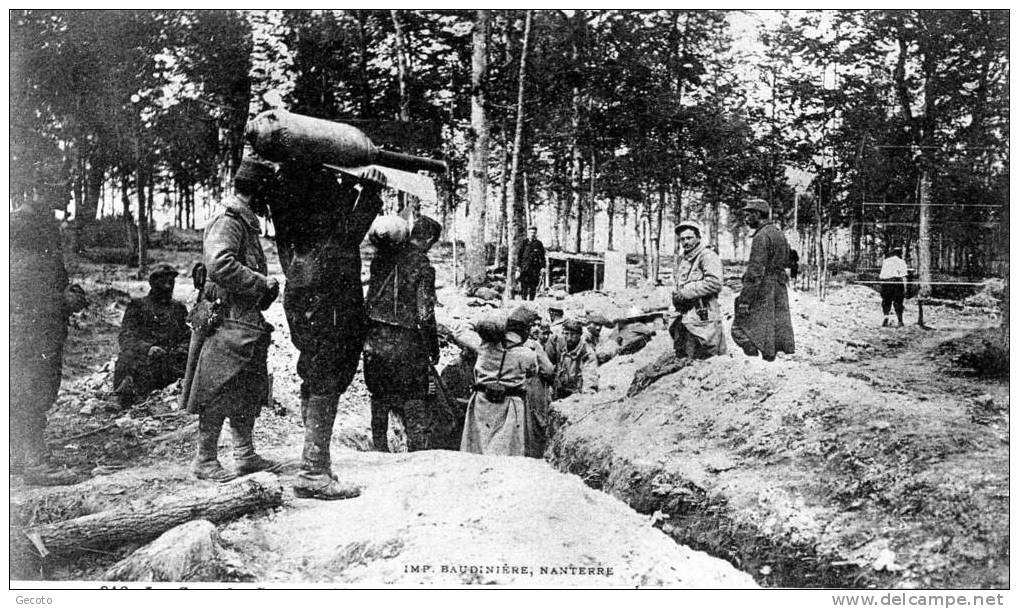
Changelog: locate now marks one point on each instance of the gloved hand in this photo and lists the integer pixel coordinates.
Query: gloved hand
(743, 308)
(371, 179)
(270, 295)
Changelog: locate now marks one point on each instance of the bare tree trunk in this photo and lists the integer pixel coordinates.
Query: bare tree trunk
(478, 181)
(514, 208)
(924, 258)
(646, 241)
(143, 222)
(611, 212)
(528, 211)
(564, 207)
(593, 208)
(152, 194)
(656, 239)
(818, 244)
(578, 201)
(86, 214)
(500, 223)
(408, 205)
(189, 205)
(575, 155)
(364, 85)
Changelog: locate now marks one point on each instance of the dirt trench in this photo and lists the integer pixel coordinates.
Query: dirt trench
(876, 467)
(805, 475)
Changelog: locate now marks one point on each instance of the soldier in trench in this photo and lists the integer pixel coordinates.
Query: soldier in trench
(576, 364)
(402, 341)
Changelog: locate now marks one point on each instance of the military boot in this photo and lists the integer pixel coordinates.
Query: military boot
(316, 480)
(39, 470)
(418, 420)
(246, 460)
(206, 465)
(380, 423)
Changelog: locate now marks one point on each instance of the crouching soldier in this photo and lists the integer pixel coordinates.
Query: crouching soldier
(576, 364)
(231, 379)
(153, 340)
(402, 340)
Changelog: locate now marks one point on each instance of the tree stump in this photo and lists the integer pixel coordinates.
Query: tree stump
(139, 523)
(189, 552)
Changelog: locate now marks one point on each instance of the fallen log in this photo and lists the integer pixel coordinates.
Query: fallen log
(109, 529)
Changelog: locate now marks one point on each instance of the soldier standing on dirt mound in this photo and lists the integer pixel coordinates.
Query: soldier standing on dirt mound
(41, 302)
(231, 379)
(697, 332)
(402, 340)
(320, 223)
(762, 323)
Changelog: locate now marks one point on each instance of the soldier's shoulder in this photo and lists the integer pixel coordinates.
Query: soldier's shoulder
(417, 258)
(711, 254)
(140, 302)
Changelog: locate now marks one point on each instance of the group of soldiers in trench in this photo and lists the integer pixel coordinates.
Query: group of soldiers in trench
(493, 399)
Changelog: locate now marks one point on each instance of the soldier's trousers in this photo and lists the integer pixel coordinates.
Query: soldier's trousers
(329, 333)
(35, 381)
(150, 374)
(417, 420)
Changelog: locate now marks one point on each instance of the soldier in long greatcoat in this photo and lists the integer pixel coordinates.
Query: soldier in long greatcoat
(231, 378)
(762, 323)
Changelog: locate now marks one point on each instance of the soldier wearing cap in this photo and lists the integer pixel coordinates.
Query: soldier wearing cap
(153, 339)
(231, 379)
(762, 323)
(497, 420)
(697, 332)
(320, 221)
(402, 340)
(576, 364)
(40, 303)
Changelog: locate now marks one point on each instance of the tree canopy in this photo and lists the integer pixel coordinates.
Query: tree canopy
(649, 115)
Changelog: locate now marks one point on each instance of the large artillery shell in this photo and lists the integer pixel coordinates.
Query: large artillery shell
(282, 136)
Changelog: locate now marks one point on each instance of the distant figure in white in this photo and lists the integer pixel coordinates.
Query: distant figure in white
(893, 287)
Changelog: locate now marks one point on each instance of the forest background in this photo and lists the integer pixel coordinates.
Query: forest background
(602, 127)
